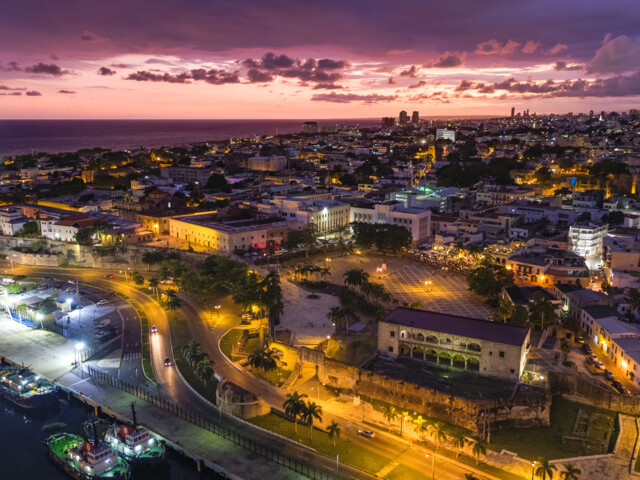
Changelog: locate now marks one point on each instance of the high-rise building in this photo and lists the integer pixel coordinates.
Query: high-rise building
(388, 122)
(513, 112)
(591, 114)
(415, 118)
(403, 118)
(309, 127)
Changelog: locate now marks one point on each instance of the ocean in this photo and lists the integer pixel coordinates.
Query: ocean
(53, 136)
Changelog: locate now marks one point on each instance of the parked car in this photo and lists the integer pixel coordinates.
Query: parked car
(598, 364)
(608, 375)
(586, 348)
(367, 433)
(618, 386)
(167, 362)
(593, 357)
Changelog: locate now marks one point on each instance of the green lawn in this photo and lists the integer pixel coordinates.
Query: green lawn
(147, 367)
(275, 377)
(354, 350)
(349, 453)
(228, 340)
(180, 336)
(546, 442)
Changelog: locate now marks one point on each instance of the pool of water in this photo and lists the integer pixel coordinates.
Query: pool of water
(22, 455)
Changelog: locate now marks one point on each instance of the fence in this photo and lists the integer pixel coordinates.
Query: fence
(254, 446)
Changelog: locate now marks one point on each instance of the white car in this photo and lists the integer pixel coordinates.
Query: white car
(367, 433)
(598, 364)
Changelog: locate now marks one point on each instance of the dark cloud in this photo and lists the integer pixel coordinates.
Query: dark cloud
(10, 67)
(616, 55)
(328, 64)
(159, 61)
(256, 76)
(410, 72)
(11, 94)
(419, 84)
(327, 86)
(270, 61)
(352, 97)
(47, 69)
(391, 81)
(106, 71)
(33, 93)
(564, 66)
(119, 65)
(88, 36)
(67, 92)
(494, 47)
(213, 77)
(447, 60)
(464, 85)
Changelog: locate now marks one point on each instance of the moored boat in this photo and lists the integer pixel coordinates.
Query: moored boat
(26, 389)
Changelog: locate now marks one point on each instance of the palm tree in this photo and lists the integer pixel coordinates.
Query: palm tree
(192, 352)
(421, 426)
(479, 448)
(202, 369)
(356, 277)
(545, 470)
(334, 431)
(255, 358)
(269, 360)
(437, 433)
(138, 279)
(634, 300)
(459, 441)
(173, 302)
(310, 412)
(293, 406)
(335, 315)
(390, 414)
(570, 472)
(153, 283)
(505, 309)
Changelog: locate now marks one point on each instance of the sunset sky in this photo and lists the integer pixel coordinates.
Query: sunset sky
(315, 59)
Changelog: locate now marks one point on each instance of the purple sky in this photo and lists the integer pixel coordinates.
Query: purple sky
(284, 59)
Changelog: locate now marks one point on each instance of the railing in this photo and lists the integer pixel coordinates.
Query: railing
(254, 446)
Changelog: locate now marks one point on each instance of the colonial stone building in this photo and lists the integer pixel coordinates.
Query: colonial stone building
(494, 349)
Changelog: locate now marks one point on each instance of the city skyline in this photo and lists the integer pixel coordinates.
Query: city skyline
(319, 61)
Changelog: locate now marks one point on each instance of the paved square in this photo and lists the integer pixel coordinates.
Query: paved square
(405, 279)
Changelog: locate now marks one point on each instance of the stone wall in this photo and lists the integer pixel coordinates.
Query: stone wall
(472, 414)
(588, 391)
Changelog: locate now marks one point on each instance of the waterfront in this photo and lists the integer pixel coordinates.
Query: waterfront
(22, 454)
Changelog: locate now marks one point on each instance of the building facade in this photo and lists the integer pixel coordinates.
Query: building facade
(493, 349)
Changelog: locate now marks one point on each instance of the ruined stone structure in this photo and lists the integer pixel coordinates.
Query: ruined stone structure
(239, 402)
(529, 407)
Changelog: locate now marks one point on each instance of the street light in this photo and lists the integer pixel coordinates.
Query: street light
(428, 283)
(78, 348)
(533, 466)
(433, 464)
(218, 307)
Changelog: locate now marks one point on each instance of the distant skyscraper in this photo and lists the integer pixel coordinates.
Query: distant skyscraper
(388, 122)
(591, 114)
(403, 118)
(309, 127)
(415, 118)
(513, 112)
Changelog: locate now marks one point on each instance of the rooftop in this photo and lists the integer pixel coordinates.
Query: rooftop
(455, 325)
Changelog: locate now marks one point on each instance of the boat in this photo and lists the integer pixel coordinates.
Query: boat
(27, 389)
(132, 442)
(85, 459)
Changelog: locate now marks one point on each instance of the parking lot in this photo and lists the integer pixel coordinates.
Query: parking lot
(405, 279)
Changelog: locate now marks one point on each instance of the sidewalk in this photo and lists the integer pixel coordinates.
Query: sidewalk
(51, 355)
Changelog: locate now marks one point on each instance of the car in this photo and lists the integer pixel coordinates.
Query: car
(154, 329)
(111, 275)
(367, 433)
(608, 375)
(618, 386)
(593, 357)
(101, 302)
(586, 348)
(167, 362)
(598, 364)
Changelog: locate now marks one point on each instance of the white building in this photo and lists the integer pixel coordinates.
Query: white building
(445, 134)
(11, 221)
(586, 241)
(326, 214)
(416, 220)
(267, 164)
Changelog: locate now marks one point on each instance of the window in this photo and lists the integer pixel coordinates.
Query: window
(491, 354)
(513, 371)
(391, 349)
(501, 354)
(392, 334)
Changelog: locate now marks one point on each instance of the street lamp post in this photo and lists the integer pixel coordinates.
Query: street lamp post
(78, 347)
(533, 466)
(217, 307)
(433, 463)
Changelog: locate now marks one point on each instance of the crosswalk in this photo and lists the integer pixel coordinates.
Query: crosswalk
(132, 356)
(125, 306)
